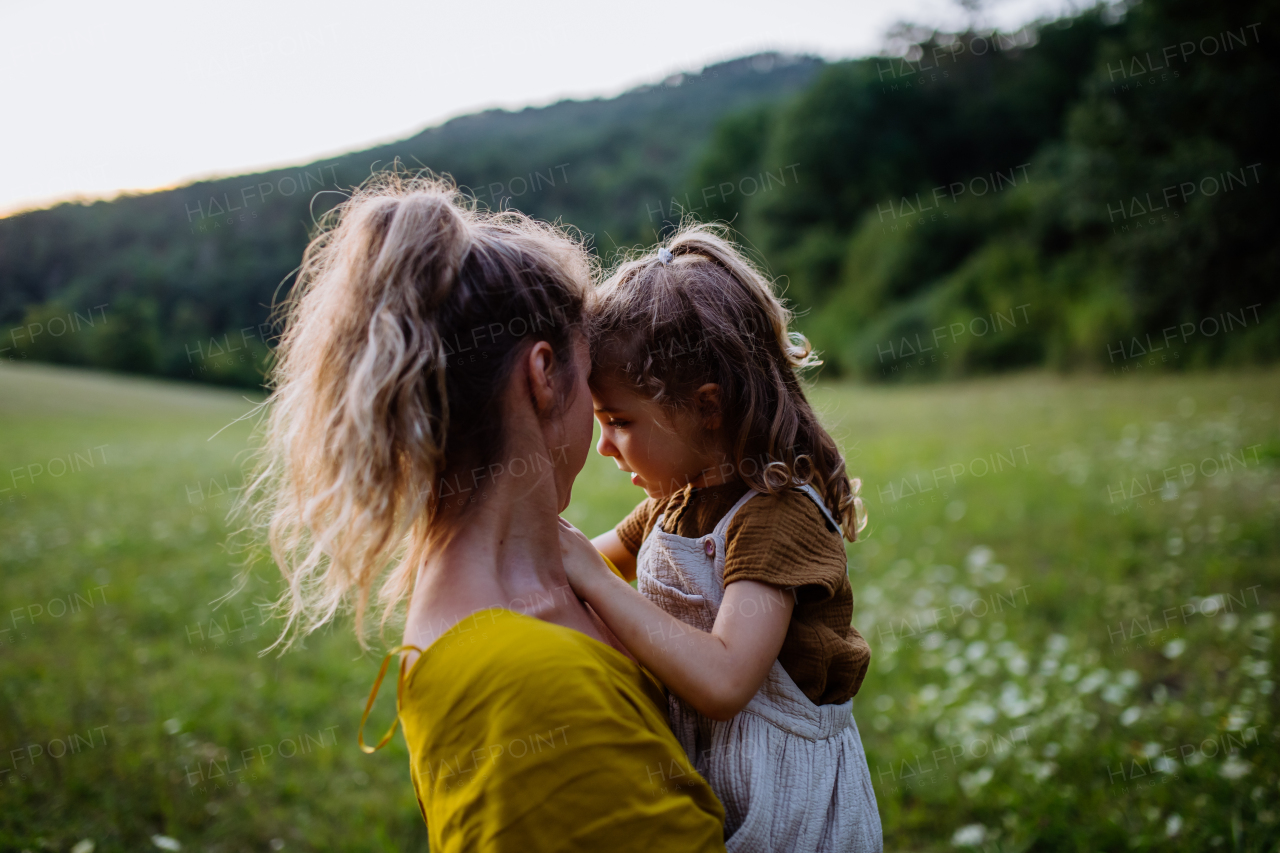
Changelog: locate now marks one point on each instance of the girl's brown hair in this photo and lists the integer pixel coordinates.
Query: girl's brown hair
(669, 323)
(409, 311)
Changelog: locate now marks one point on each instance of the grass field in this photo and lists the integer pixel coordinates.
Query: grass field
(1068, 586)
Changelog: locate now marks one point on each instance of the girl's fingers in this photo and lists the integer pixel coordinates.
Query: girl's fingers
(568, 528)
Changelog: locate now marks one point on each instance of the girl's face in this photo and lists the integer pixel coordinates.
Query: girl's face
(660, 452)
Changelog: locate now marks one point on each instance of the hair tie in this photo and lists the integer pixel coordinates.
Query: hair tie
(664, 255)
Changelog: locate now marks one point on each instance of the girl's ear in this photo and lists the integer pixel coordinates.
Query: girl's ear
(708, 397)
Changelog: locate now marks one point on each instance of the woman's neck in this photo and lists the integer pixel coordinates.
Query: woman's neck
(503, 551)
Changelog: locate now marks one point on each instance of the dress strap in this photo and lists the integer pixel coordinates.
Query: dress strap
(722, 526)
(822, 505)
(373, 694)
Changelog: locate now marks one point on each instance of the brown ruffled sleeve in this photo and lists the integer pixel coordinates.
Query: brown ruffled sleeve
(783, 540)
(635, 527)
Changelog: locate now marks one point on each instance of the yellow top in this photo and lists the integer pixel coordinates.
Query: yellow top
(611, 566)
(529, 736)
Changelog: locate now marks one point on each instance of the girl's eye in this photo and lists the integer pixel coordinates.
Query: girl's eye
(617, 423)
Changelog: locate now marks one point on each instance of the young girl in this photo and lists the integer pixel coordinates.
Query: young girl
(743, 606)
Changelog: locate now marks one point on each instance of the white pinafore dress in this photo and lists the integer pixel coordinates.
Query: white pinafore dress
(792, 775)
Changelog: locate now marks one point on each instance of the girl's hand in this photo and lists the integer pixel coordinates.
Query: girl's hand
(583, 565)
(716, 672)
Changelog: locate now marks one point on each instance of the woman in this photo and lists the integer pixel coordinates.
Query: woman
(429, 416)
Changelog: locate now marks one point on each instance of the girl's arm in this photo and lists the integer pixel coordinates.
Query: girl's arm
(611, 546)
(716, 673)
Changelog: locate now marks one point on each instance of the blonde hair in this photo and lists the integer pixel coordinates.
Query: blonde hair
(408, 314)
(669, 323)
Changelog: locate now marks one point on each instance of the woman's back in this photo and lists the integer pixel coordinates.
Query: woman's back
(525, 735)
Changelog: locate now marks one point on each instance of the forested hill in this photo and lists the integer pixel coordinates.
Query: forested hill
(1087, 193)
(180, 281)
(1095, 192)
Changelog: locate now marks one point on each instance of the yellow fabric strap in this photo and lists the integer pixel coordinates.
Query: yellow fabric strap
(373, 694)
(610, 564)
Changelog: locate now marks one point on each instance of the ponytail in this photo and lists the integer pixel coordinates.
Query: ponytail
(373, 405)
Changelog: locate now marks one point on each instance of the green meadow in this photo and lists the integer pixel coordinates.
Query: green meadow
(1068, 584)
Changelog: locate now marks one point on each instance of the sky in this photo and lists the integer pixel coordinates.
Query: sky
(100, 98)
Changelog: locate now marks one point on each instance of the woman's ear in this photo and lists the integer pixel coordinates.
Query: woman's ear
(540, 364)
(708, 397)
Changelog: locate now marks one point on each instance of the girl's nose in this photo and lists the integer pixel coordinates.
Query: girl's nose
(605, 447)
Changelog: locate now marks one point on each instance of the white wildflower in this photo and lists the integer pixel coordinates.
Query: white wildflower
(978, 557)
(1234, 767)
(1093, 681)
(969, 836)
(933, 641)
(1237, 717)
(1114, 693)
(973, 782)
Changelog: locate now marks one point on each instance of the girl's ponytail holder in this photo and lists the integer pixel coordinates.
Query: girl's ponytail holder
(664, 255)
